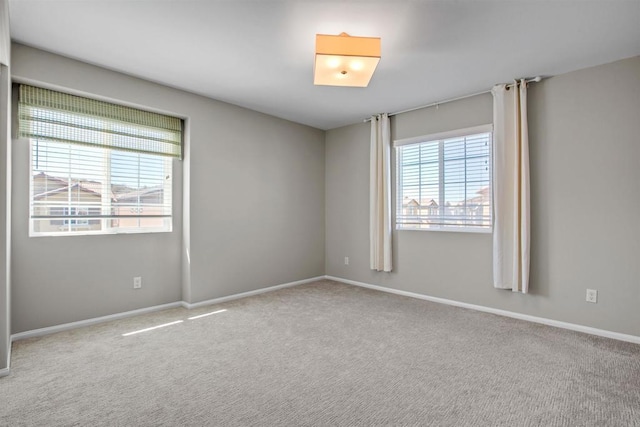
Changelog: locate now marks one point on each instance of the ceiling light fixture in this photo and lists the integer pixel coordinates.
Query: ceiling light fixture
(344, 60)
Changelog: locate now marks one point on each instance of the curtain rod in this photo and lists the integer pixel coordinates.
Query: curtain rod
(532, 80)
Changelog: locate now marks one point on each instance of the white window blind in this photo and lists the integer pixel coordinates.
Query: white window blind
(97, 168)
(47, 115)
(444, 181)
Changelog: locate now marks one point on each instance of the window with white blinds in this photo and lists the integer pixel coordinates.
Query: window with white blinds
(96, 167)
(443, 181)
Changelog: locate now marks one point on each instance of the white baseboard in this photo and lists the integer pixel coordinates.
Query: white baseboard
(73, 325)
(6, 371)
(550, 322)
(250, 293)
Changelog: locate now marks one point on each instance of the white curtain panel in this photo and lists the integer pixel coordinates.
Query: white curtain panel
(380, 194)
(511, 226)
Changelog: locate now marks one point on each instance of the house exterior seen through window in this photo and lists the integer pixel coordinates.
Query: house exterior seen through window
(97, 167)
(444, 181)
(87, 190)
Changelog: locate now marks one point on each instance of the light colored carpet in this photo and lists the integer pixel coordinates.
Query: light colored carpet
(323, 354)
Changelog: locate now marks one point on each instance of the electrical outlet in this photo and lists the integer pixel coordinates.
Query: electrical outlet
(346, 260)
(137, 282)
(592, 295)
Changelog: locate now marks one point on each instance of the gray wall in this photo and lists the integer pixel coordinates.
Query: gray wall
(254, 211)
(5, 188)
(254, 198)
(585, 197)
(257, 203)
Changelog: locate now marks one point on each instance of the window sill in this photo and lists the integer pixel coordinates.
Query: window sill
(476, 230)
(98, 233)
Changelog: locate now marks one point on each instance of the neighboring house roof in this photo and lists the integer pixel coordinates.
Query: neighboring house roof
(91, 187)
(413, 202)
(140, 194)
(484, 191)
(482, 196)
(94, 187)
(65, 189)
(50, 178)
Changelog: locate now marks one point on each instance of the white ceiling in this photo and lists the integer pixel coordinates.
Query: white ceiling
(259, 54)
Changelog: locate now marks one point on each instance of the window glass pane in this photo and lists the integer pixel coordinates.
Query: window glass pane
(444, 184)
(55, 116)
(454, 171)
(97, 167)
(77, 189)
(454, 148)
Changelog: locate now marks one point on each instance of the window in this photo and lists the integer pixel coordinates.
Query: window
(443, 181)
(75, 212)
(97, 168)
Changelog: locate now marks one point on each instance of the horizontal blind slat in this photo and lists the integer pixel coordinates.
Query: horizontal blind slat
(55, 116)
(79, 189)
(444, 183)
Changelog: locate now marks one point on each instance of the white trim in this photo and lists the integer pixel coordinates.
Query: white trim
(81, 323)
(549, 322)
(5, 35)
(250, 293)
(5, 371)
(447, 228)
(444, 135)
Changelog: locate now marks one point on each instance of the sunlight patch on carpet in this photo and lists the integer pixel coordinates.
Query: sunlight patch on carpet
(152, 328)
(206, 314)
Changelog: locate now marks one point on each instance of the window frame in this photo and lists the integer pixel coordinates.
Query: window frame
(105, 229)
(74, 221)
(124, 129)
(440, 137)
